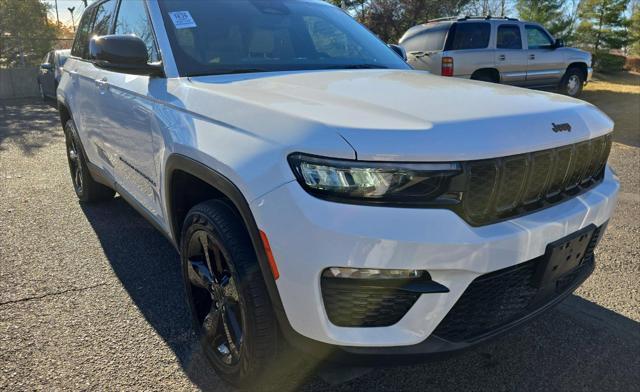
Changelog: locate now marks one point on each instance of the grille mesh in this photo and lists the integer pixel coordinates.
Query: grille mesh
(505, 187)
(503, 296)
(365, 307)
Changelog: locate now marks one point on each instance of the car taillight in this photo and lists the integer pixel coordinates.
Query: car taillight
(447, 66)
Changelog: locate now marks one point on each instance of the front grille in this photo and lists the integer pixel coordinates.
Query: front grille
(365, 307)
(504, 296)
(502, 188)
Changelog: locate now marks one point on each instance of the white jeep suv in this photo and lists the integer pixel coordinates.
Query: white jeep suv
(323, 196)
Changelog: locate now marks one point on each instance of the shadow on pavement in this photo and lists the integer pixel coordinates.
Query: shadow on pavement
(29, 124)
(577, 346)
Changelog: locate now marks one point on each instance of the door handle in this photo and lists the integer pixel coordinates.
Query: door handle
(502, 57)
(102, 84)
(532, 57)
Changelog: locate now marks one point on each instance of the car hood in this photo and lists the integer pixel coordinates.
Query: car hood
(415, 116)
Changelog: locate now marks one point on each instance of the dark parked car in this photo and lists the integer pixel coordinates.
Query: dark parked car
(51, 71)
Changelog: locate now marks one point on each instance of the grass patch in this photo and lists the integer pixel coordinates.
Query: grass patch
(618, 95)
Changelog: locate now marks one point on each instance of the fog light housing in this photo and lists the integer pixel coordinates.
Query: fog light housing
(373, 297)
(372, 273)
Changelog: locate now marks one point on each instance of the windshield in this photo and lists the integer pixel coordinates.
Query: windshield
(235, 36)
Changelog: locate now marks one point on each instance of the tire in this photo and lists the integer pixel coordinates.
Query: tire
(572, 82)
(230, 308)
(86, 188)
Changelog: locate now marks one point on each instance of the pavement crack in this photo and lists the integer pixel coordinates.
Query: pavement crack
(73, 289)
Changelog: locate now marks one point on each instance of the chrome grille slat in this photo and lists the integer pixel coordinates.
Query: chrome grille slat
(505, 187)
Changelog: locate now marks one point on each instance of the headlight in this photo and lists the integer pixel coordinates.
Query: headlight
(376, 182)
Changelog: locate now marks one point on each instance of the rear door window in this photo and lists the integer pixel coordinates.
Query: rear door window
(469, 36)
(509, 37)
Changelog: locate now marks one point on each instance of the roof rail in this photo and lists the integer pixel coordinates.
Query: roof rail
(486, 17)
(445, 18)
(467, 17)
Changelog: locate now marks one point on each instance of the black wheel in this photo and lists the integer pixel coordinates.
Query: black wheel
(86, 188)
(229, 304)
(572, 82)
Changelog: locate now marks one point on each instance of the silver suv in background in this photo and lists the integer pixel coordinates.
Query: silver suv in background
(499, 50)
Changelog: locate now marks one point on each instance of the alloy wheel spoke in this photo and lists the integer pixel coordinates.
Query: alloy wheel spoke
(234, 323)
(199, 274)
(211, 322)
(227, 331)
(217, 255)
(204, 242)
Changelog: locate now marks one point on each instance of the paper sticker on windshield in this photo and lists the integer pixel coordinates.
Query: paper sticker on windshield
(182, 19)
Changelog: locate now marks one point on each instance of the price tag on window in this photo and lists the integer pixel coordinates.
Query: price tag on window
(182, 19)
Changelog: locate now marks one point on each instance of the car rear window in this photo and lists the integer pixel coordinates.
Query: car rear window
(428, 40)
(469, 35)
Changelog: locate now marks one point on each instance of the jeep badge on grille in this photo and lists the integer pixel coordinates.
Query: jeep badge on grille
(564, 127)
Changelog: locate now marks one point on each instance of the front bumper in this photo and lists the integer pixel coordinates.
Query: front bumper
(307, 235)
(589, 74)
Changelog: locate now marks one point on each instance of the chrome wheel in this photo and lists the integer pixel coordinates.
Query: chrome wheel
(573, 85)
(214, 297)
(75, 166)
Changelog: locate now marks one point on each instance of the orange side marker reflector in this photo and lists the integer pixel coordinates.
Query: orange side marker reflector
(267, 250)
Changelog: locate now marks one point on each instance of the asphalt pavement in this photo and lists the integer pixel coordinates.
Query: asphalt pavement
(91, 296)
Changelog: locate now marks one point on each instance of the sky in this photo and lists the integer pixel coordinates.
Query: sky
(63, 12)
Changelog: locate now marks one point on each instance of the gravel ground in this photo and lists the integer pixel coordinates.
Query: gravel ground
(90, 296)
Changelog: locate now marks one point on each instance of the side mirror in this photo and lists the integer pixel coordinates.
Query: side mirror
(46, 66)
(122, 53)
(559, 43)
(399, 51)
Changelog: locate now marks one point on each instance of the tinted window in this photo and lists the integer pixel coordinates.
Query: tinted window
(470, 36)
(230, 36)
(537, 38)
(133, 19)
(509, 37)
(81, 42)
(427, 41)
(104, 18)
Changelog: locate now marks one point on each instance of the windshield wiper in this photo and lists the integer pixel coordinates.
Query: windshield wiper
(230, 71)
(357, 66)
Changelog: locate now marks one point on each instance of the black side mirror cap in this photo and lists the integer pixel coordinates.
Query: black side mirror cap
(399, 51)
(46, 66)
(122, 53)
(559, 43)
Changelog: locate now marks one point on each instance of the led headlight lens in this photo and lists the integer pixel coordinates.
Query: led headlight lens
(339, 179)
(371, 273)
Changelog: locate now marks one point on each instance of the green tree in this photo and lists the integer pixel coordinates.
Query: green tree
(389, 19)
(602, 24)
(25, 32)
(548, 13)
(634, 30)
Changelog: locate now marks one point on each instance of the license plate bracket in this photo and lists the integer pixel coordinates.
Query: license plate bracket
(563, 256)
